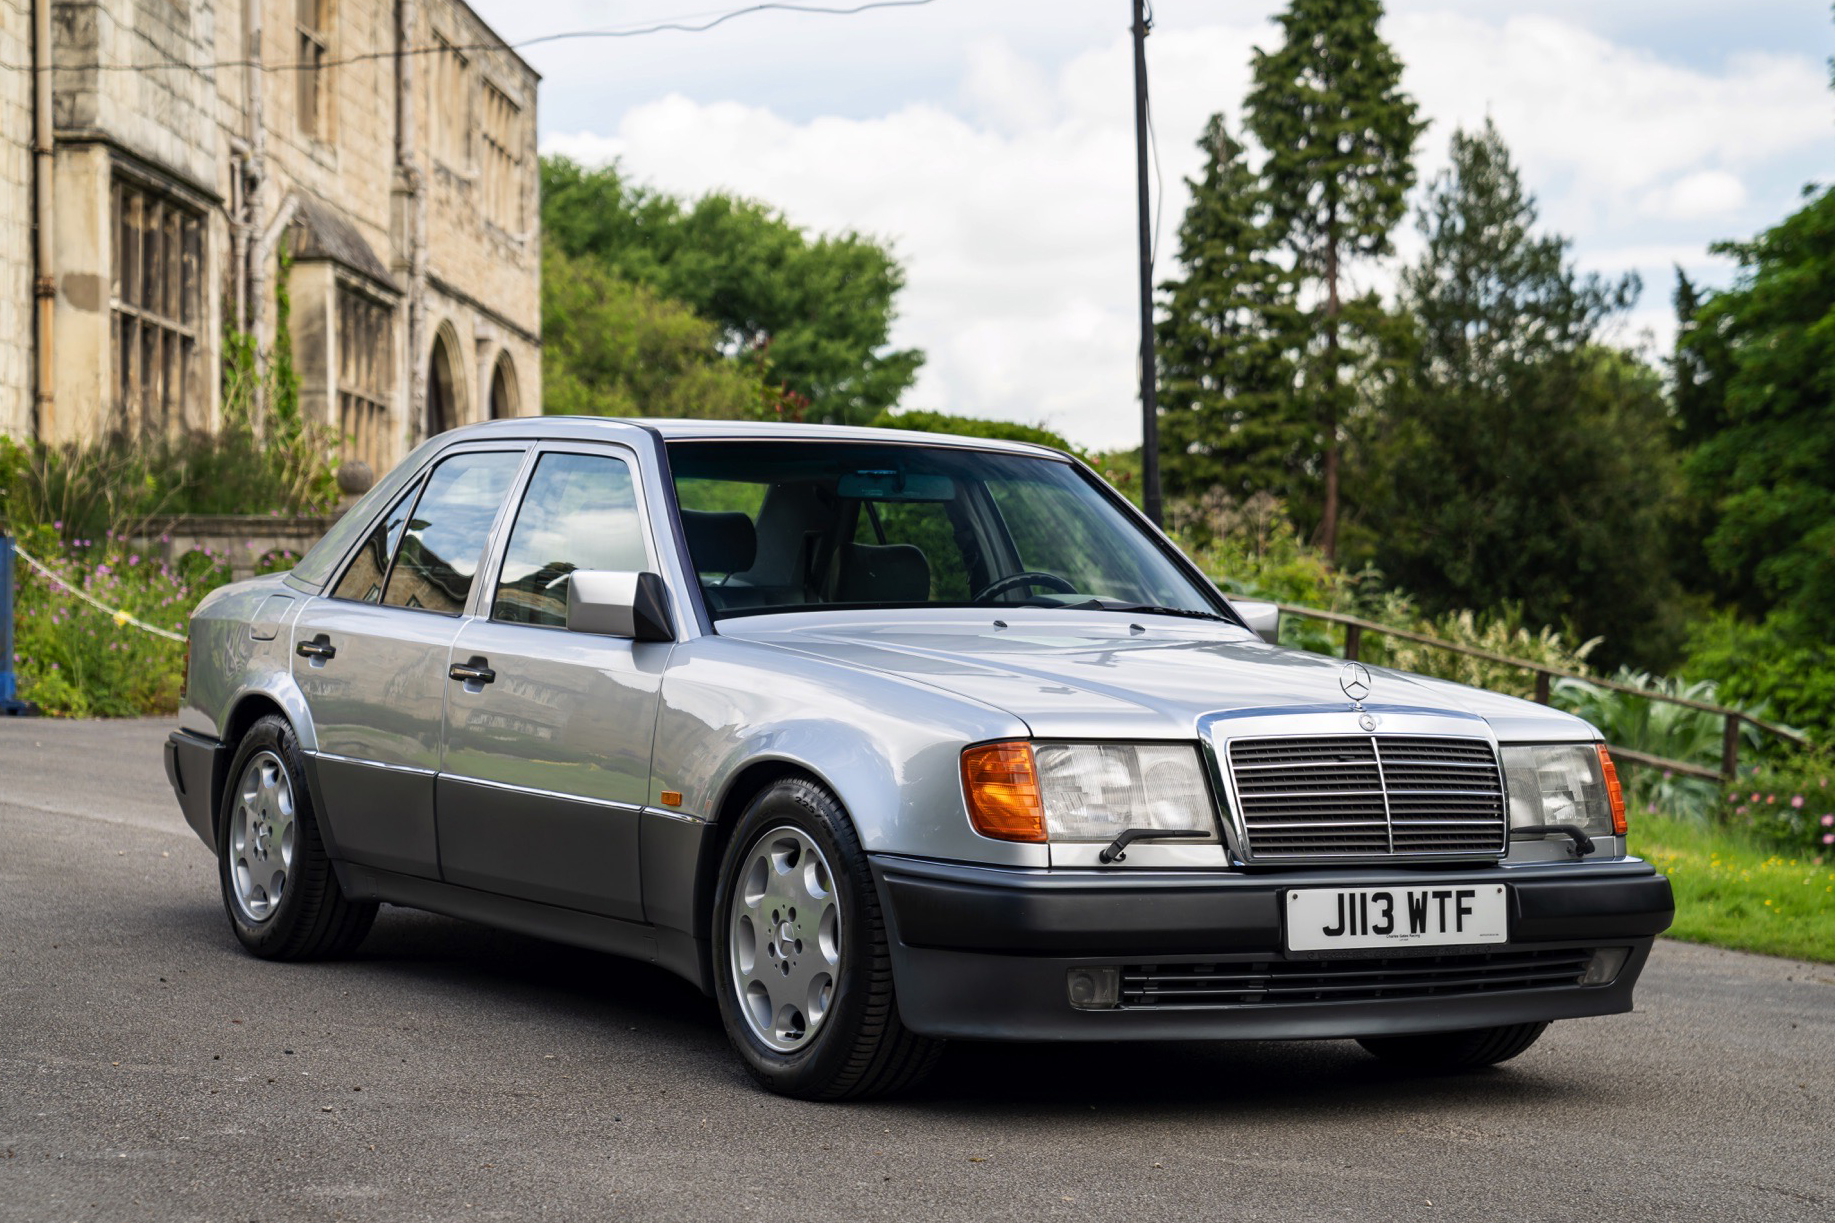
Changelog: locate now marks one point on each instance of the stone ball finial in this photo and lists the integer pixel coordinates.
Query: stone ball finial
(355, 478)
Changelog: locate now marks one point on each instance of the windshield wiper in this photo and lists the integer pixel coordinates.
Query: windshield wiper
(1151, 609)
(1583, 844)
(1117, 850)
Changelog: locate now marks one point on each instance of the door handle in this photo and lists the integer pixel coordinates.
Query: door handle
(318, 647)
(473, 672)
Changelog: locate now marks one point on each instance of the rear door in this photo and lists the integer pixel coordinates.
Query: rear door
(548, 733)
(371, 659)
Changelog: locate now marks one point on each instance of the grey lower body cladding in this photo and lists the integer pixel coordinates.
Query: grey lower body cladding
(992, 953)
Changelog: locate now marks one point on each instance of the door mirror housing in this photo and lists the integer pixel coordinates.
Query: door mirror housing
(1263, 619)
(612, 604)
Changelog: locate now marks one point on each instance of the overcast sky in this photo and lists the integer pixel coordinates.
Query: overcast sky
(990, 142)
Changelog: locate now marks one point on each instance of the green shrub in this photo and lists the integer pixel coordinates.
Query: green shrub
(1789, 802)
(1251, 548)
(1776, 663)
(113, 487)
(1499, 632)
(1655, 728)
(75, 660)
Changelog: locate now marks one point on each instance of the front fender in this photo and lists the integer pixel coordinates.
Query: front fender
(890, 748)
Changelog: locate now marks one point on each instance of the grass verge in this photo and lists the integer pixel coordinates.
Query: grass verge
(1735, 891)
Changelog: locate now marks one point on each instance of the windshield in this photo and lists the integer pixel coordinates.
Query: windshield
(792, 526)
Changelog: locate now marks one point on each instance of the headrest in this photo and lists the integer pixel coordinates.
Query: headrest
(888, 573)
(720, 542)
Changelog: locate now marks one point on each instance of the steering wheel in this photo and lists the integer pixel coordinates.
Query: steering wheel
(1030, 577)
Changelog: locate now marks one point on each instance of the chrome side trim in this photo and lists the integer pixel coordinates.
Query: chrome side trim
(608, 804)
(680, 817)
(371, 764)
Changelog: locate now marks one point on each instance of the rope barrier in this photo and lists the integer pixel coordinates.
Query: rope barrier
(119, 616)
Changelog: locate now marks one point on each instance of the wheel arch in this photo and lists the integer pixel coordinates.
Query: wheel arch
(746, 785)
(277, 697)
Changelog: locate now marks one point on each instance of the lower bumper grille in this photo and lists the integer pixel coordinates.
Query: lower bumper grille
(1278, 982)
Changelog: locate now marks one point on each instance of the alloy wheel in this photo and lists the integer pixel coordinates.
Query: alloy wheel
(785, 937)
(262, 831)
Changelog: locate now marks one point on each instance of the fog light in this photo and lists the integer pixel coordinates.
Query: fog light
(1603, 969)
(1094, 989)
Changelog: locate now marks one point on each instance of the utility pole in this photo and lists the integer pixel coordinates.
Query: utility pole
(1150, 405)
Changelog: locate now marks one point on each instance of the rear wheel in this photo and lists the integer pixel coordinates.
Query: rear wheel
(802, 970)
(283, 900)
(1451, 1051)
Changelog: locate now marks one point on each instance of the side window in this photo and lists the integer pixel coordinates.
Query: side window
(363, 580)
(445, 537)
(579, 512)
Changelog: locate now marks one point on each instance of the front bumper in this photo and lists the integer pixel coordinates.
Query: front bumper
(984, 952)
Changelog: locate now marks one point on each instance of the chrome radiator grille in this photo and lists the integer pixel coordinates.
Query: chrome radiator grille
(1361, 796)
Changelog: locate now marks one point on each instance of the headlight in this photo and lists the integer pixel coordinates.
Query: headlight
(1570, 783)
(1083, 791)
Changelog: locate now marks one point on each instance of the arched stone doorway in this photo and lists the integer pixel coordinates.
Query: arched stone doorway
(506, 396)
(445, 409)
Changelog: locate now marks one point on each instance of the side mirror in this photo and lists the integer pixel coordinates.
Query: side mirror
(631, 605)
(1263, 619)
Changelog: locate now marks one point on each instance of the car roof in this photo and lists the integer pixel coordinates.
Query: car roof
(670, 430)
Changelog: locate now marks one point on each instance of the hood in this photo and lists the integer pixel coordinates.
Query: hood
(1106, 675)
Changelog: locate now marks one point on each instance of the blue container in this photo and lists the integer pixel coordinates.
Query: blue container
(10, 704)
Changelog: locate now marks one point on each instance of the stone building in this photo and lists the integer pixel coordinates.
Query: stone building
(372, 160)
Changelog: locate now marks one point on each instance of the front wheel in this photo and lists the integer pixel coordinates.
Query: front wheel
(802, 970)
(1453, 1051)
(283, 899)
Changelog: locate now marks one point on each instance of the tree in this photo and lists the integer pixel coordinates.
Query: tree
(1328, 108)
(1229, 415)
(613, 348)
(1526, 463)
(971, 426)
(821, 308)
(1765, 408)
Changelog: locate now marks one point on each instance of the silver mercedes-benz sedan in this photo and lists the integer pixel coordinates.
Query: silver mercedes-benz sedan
(884, 738)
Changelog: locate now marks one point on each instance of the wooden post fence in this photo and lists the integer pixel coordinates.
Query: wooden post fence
(1355, 629)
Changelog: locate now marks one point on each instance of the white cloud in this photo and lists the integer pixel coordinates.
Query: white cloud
(1012, 201)
(1597, 125)
(1697, 196)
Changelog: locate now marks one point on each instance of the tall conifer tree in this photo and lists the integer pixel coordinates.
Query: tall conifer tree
(1226, 371)
(1328, 107)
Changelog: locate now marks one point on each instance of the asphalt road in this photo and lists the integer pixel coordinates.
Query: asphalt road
(149, 1069)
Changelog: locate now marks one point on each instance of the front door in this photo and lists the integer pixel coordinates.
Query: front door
(371, 661)
(548, 732)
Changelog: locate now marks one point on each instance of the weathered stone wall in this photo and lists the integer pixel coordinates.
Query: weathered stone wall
(127, 71)
(16, 317)
(136, 98)
(485, 271)
(130, 97)
(240, 541)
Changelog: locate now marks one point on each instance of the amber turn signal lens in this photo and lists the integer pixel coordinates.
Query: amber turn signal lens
(1001, 785)
(1615, 793)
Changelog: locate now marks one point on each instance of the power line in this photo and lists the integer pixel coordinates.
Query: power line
(677, 25)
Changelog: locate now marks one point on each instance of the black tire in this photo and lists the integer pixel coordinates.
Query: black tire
(1455, 1051)
(312, 920)
(861, 1048)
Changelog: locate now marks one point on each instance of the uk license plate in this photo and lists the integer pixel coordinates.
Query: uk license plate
(1352, 919)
